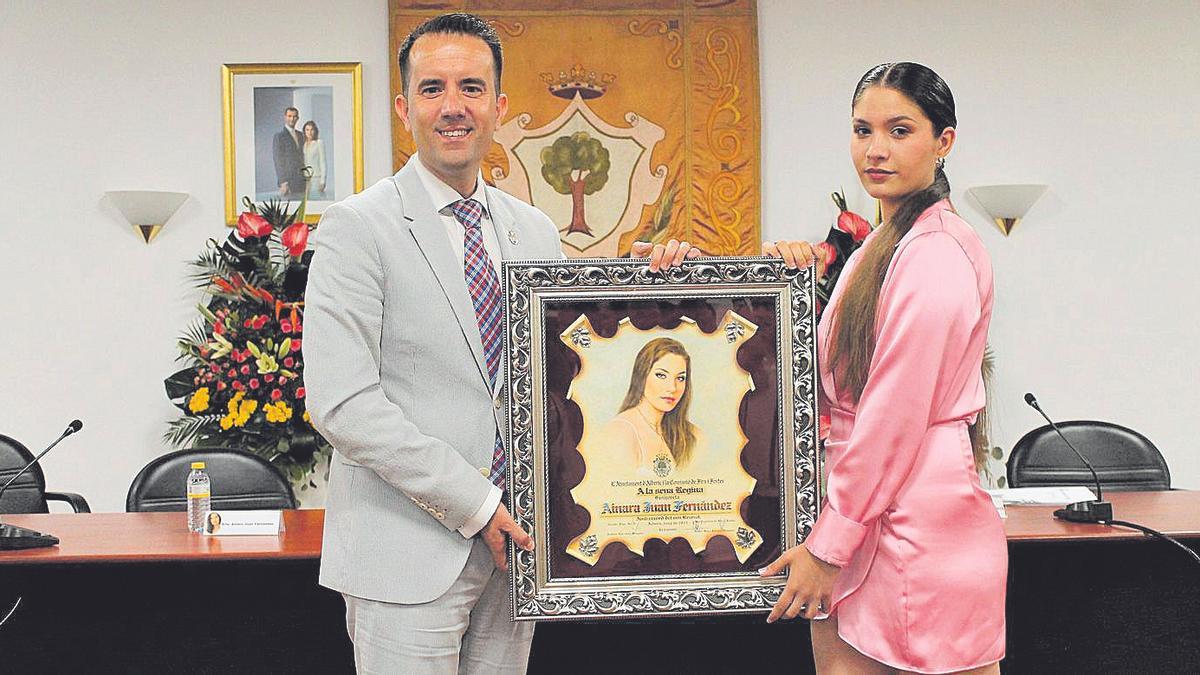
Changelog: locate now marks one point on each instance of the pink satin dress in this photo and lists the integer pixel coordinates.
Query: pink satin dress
(923, 553)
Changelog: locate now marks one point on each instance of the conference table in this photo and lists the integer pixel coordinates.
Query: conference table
(137, 593)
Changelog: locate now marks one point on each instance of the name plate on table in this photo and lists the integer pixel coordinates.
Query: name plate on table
(222, 523)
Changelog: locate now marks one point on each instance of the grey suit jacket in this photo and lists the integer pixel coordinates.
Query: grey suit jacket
(396, 381)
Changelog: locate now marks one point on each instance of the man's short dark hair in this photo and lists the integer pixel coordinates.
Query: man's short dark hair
(458, 23)
(291, 109)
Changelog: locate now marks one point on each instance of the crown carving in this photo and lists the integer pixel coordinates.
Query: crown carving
(577, 81)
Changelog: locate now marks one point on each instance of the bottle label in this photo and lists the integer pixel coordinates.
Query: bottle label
(197, 495)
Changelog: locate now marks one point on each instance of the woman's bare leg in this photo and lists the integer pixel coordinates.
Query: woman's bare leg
(834, 656)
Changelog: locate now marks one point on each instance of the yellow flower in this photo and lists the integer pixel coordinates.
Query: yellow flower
(307, 417)
(277, 412)
(226, 422)
(233, 403)
(199, 400)
(245, 410)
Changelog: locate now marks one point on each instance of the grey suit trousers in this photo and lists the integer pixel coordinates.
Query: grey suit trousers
(466, 630)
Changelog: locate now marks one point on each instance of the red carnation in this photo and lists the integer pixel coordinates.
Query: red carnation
(254, 383)
(246, 370)
(232, 372)
(219, 327)
(220, 386)
(276, 394)
(269, 377)
(252, 226)
(238, 385)
(299, 392)
(285, 326)
(295, 238)
(288, 362)
(295, 345)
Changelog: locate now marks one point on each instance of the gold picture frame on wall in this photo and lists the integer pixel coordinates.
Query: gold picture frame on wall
(291, 129)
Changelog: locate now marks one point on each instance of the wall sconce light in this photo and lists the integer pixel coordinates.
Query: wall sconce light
(147, 210)
(1007, 204)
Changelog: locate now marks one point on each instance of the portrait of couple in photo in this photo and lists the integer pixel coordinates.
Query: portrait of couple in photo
(293, 150)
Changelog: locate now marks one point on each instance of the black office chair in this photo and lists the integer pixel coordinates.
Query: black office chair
(240, 481)
(28, 494)
(1125, 460)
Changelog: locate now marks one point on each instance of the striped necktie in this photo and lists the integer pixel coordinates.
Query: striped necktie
(484, 287)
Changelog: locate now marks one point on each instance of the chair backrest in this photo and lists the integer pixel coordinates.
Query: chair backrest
(28, 493)
(1124, 459)
(240, 480)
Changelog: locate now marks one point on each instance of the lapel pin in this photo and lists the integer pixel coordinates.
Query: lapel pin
(512, 238)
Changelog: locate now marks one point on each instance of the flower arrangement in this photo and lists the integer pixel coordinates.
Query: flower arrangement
(243, 386)
(843, 239)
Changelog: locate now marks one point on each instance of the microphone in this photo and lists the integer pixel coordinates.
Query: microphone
(1097, 511)
(13, 537)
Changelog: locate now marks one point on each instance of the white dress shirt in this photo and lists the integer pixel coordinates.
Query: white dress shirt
(443, 196)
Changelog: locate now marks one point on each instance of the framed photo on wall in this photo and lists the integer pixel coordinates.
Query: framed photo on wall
(662, 433)
(290, 130)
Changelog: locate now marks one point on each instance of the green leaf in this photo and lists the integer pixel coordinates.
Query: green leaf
(181, 432)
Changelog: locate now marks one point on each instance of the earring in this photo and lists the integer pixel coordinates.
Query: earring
(941, 162)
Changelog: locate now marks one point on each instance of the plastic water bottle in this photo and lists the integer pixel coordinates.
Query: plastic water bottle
(198, 491)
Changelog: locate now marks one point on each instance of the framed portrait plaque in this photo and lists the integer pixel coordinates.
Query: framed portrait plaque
(662, 433)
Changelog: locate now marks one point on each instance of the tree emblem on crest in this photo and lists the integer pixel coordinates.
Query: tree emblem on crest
(576, 165)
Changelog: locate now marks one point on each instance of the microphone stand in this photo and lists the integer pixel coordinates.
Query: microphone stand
(1094, 511)
(13, 537)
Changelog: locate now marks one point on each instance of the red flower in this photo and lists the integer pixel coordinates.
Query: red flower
(252, 226)
(295, 238)
(295, 345)
(299, 392)
(247, 323)
(238, 385)
(285, 326)
(287, 363)
(246, 370)
(238, 355)
(850, 222)
(830, 252)
(276, 394)
(259, 322)
(232, 372)
(220, 386)
(254, 383)
(269, 377)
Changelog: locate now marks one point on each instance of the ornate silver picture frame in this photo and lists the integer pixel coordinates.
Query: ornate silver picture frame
(661, 433)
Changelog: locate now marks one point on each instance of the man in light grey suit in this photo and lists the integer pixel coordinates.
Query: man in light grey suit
(401, 348)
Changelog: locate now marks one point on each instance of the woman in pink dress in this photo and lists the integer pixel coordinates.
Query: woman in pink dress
(905, 568)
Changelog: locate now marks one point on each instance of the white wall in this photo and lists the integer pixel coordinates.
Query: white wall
(1096, 290)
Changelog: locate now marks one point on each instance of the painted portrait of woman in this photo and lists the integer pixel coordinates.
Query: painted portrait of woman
(651, 430)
